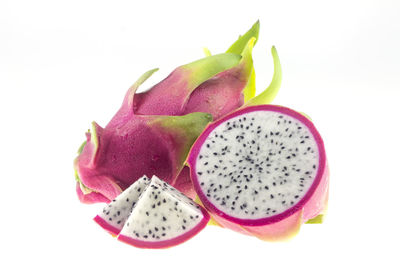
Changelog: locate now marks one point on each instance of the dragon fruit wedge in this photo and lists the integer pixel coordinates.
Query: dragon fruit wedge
(131, 146)
(152, 214)
(261, 171)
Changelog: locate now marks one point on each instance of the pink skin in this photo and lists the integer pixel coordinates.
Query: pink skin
(118, 155)
(165, 98)
(284, 224)
(126, 154)
(220, 95)
(90, 198)
(106, 226)
(184, 183)
(171, 242)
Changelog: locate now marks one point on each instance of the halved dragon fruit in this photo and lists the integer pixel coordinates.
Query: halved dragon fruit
(113, 216)
(261, 171)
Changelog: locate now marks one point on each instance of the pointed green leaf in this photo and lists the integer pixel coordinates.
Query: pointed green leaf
(269, 94)
(238, 46)
(250, 90)
(206, 51)
(132, 90)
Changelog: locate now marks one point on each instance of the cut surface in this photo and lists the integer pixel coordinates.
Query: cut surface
(162, 217)
(113, 216)
(257, 163)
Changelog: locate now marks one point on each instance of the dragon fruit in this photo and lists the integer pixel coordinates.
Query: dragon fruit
(114, 215)
(261, 171)
(152, 214)
(163, 217)
(131, 146)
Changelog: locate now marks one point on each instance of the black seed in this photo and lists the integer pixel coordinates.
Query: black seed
(164, 219)
(183, 227)
(147, 213)
(127, 200)
(272, 196)
(145, 236)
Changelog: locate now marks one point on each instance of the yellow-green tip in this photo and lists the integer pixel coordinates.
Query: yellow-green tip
(268, 95)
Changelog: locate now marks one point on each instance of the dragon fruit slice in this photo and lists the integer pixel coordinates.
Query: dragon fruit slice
(261, 171)
(114, 215)
(131, 146)
(162, 217)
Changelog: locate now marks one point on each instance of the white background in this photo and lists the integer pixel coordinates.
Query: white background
(66, 63)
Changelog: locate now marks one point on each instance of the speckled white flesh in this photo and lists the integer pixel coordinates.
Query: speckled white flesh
(161, 213)
(118, 211)
(257, 164)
